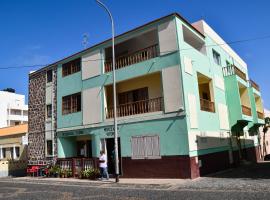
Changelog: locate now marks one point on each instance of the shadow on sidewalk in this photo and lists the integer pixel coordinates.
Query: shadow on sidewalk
(248, 171)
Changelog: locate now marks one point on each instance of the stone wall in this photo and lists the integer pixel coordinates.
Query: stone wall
(36, 116)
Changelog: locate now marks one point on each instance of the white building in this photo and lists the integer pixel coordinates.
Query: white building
(266, 113)
(13, 110)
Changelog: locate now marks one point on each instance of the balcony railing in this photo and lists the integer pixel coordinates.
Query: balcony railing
(260, 115)
(254, 85)
(76, 165)
(246, 110)
(207, 105)
(232, 70)
(133, 58)
(135, 108)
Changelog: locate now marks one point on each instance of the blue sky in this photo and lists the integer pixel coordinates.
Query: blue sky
(39, 32)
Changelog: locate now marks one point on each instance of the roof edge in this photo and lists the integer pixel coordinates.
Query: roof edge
(120, 35)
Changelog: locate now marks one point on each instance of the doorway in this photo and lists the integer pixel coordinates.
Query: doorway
(108, 146)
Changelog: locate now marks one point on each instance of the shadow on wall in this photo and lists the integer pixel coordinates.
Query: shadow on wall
(18, 167)
(221, 153)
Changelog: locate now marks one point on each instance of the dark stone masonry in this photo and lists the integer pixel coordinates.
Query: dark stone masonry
(36, 124)
(37, 115)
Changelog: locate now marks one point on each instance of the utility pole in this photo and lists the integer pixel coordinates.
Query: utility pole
(114, 96)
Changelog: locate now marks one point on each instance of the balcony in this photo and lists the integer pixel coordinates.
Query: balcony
(133, 58)
(135, 96)
(254, 85)
(136, 108)
(260, 115)
(206, 93)
(233, 70)
(134, 50)
(246, 110)
(207, 105)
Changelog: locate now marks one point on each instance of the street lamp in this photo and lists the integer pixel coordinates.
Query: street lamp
(114, 95)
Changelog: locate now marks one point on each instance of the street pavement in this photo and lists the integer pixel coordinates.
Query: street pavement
(245, 182)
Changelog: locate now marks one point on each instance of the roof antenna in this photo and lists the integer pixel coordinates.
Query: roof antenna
(85, 40)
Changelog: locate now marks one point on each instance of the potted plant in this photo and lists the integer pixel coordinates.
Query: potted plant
(93, 173)
(69, 173)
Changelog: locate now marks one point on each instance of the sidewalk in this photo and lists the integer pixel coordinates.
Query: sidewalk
(131, 181)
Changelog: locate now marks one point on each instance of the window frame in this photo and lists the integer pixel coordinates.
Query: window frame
(49, 78)
(146, 156)
(71, 103)
(218, 60)
(17, 153)
(4, 152)
(71, 67)
(51, 144)
(48, 111)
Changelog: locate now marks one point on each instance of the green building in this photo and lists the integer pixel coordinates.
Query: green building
(185, 104)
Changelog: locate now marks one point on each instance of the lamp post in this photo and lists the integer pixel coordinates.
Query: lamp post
(114, 95)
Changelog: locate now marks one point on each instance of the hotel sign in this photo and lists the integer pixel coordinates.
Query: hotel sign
(110, 130)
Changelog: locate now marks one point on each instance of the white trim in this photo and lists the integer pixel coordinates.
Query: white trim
(204, 28)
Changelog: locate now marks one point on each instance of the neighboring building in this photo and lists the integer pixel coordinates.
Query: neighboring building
(265, 136)
(13, 152)
(185, 103)
(13, 110)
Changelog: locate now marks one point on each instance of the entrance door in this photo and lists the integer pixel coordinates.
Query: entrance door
(111, 155)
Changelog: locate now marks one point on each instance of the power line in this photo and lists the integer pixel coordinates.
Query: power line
(185, 49)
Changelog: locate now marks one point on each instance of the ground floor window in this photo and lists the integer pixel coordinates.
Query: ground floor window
(17, 152)
(4, 152)
(145, 147)
(49, 147)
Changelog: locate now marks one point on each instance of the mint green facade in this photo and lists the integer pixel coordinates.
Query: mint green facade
(184, 128)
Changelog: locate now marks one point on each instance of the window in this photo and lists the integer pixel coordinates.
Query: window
(216, 57)
(71, 103)
(17, 151)
(228, 64)
(145, 147)
(49, 76)
(71, 67)
(133, 96)
(49, 111)
(49, 148)
(4, 152)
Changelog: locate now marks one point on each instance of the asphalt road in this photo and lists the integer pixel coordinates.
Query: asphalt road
(248, 182)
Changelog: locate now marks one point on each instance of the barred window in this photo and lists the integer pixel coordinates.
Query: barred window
(145, 147)
(71, 67)
(71, 103)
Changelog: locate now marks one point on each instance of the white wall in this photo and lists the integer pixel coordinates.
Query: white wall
(204, 28)
(12, 101)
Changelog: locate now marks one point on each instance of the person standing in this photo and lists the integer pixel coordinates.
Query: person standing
(103, 165)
